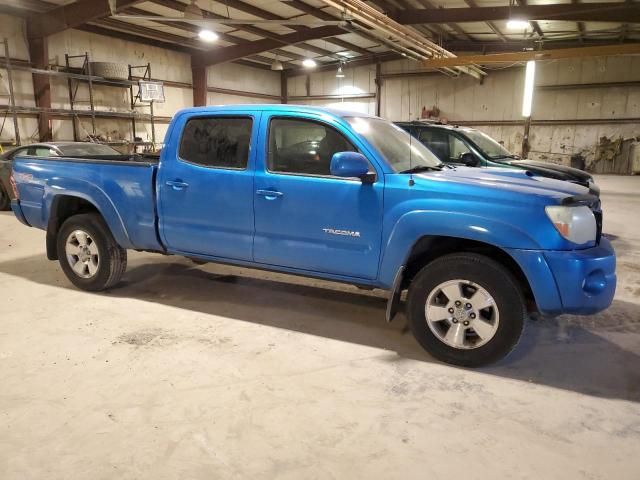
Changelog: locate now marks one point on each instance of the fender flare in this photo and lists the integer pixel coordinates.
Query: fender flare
(90, 193)
(414, 225)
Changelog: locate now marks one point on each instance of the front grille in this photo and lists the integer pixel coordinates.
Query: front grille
(598, 215)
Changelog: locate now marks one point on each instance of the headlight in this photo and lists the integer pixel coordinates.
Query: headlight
(576, 224)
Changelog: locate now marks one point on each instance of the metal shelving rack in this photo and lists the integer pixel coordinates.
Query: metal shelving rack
(11, 95)
(85, 75)
(135, 98)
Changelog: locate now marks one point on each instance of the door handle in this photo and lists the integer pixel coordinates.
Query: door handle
(176, 184)
(269, 194)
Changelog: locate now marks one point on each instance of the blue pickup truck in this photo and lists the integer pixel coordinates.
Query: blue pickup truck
(338, 196)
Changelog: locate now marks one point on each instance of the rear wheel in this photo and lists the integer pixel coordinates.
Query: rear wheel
(466, 309)
(88, 254)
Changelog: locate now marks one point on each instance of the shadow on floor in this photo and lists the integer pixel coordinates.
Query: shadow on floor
(570, 353)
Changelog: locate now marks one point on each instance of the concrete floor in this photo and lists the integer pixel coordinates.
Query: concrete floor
(218, 372)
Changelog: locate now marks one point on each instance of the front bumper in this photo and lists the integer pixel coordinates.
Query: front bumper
(579, 282)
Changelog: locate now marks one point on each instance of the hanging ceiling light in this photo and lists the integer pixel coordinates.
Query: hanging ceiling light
(194, 12)
(515, 24)
(340, 73)
(277, 65)
(207, 35)
(309, 63)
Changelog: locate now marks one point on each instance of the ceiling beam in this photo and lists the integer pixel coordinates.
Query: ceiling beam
(156, 38)
(359, 62)
(265, 14)
(454, 26)
(235, 52)
(588, 12)
(388, 8)
(193, 29)
(511, 45)
(513, 57)
(179, 6)
(494, 28)
(136, 37)
(322, 15)
(72, 15)
(535, 25)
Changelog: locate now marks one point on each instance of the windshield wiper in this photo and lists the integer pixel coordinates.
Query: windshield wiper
(423, 168)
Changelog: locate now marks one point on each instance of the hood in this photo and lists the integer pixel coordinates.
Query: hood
(553, 170)
(507, 182)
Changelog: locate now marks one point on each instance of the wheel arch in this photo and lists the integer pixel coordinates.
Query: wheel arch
(430, 247)
(64, 206)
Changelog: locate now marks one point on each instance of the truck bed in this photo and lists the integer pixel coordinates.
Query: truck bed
(122, 189)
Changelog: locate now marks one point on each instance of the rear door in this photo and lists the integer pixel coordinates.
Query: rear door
(306, 218)
(206, 189)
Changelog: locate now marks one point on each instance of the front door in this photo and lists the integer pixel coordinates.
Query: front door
(206, 191)
(306, 218)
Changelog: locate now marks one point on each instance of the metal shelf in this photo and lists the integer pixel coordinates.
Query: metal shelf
(85, 76)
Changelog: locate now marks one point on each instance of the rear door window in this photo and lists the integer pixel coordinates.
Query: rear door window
(437, 141)
(221, 142)
(42, 152)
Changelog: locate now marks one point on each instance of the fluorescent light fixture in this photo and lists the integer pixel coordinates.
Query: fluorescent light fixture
(340, 73)
(207, 35)
(529, 79)
(514, 24)
(309, 63)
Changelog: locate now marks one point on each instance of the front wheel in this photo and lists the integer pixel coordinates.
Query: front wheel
(88, 254)
(466, 309)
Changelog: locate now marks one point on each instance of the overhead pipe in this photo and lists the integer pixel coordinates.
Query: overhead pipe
(408, 39)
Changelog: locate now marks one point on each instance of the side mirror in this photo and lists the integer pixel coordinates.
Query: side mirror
(349, 165)
(469, 159)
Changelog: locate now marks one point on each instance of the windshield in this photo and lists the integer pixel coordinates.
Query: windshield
(488, 145)
(86, 149)
(399, 149)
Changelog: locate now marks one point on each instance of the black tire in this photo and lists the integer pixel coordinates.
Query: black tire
(112, 259)
(485, 273)
(5, 200)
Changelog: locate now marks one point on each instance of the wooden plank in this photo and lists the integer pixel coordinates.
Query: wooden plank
(588, 12)
(513, 57)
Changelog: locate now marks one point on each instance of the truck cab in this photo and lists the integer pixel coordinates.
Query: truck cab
(339, 196)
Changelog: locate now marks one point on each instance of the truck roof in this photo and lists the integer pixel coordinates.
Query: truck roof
(262, 107)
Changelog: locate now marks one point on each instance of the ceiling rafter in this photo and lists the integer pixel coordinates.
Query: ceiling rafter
(235, 52)
(490, 24)
(227, 37)
(388, 8)
(73, 15)
(194, 46)
(158, 42)
(535, 25)
(322, 15)
(179, 6)
(265, 14)
(454, 26)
